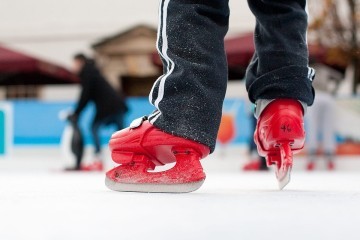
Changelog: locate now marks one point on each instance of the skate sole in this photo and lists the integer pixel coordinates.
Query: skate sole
(153, 188)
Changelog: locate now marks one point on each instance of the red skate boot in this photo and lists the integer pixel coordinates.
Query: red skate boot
(142, 147)
(280, 133)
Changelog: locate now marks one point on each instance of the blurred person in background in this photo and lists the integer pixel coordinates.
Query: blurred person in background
(320, 120)
(256, 163)
(110, 105)
(321, 130)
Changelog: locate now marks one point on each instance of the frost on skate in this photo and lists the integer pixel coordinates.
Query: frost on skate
(142, 147)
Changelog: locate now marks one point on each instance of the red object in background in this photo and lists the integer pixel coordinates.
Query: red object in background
(254, 165)
(239, 50)
(227, 128)
(96, 166)
(331, 166)
(13, 63)
(310, 166)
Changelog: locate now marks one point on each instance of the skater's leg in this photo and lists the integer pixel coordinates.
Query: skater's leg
(279, 68)
(189, 96)
(280, 81)
(188, 100)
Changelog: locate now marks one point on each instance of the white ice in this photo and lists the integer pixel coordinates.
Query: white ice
(41, 203)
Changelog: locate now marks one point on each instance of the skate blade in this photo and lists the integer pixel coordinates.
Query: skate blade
(153, 188)
(283, 171)
(284, 180)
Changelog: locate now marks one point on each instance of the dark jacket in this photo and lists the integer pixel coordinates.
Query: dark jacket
(96, 89)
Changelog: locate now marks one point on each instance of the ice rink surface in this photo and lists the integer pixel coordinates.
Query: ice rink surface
(53, 205)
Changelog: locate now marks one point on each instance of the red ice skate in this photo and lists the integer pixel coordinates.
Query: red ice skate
(280, 133)
(142, 147)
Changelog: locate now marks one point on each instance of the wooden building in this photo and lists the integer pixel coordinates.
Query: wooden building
(126, 60)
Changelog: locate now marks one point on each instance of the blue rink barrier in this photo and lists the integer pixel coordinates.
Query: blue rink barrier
(6, 128)
(2, 132)
(38, 122)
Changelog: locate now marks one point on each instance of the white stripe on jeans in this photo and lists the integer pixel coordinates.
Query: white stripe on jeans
(311, 73)
(158, 50)
(164, 54)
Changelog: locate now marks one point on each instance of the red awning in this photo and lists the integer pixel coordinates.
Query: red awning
(14, 64)
(239, 50)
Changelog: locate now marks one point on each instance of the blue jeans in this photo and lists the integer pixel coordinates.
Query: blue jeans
(188, 98)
